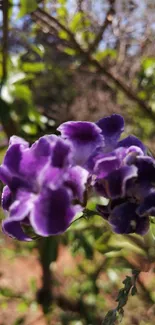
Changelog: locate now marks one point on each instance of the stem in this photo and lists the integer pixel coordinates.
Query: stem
(47, 248)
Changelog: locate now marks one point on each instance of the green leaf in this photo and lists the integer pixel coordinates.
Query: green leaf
(6, 292)
(19, 321)
(30, 129)
(101, 55)
(33, 67)
(69, 51)
(148, 63)
(62, 12)
(62, 2)
(63, 35)
(134, 291)
(22, 92)
(26, 7)
(33, 284)
(79, 22)
(152, 227)
(22, 307)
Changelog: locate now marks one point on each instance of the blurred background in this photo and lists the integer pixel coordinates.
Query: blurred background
(75, 60)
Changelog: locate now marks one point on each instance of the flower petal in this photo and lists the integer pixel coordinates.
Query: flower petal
(124, 220)
(85, 137)
(6, 198)
(26, 163)
(131, 140)
(146, 169)
(106, 165)
(13, 229)
(147, 207)
(112, 127)
(17, 140)
(52, 212)
(61, 154)
(76, 180)
(19, 211)
(115, 182)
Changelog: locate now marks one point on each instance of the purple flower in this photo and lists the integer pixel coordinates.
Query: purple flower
(85, 138)
(90, 139)
(123, 217)
(45, 184)
(43, 188)
(126, 176)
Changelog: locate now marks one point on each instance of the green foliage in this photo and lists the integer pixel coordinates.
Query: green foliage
(101, 55)
(26, 7)
(122, 298)
(36, 67)
(79, 22)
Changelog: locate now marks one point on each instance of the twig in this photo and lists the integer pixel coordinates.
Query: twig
(129, 288)
(127, 90)
(107, 21)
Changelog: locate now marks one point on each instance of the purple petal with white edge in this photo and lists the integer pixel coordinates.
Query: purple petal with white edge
(19, 211)
(14, 229)
(131, 140)
(26, 163)
(115, 182)
(124, 220)
(76, 180)
(85, 138)
(23, 204)
(116, 156)
(112, 127)
(52, 212)
(6, 198)
(17, 140)
(131, 154)
(35, 158)
(106, 165)
(147, 207)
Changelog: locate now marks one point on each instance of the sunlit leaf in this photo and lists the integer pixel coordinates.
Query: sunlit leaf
(22, 307)
(79, 22)
(33, 67)
(26, 7)
(101, 55)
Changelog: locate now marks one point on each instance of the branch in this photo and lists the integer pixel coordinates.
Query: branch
(44, 22)
(128, 91)
(107, 21)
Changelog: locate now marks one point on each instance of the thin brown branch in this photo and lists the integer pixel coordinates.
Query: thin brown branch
(48, 18)
(48, 27)
(106, 23)
(127, 90)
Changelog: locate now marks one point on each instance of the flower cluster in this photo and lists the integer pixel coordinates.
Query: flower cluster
(48, 183)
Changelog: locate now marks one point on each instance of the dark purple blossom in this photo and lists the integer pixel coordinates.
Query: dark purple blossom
(43, 188)
(123, 217)
(46, 183)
